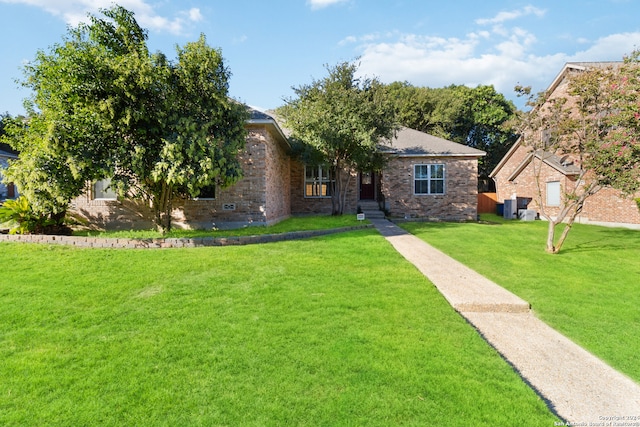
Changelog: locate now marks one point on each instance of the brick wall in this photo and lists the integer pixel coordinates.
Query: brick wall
(112, 214)
(607, 206)
(278, 181)
(317, 205)
(459, 202)
(260, 198)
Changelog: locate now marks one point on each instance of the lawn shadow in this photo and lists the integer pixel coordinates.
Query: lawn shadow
(609, 239)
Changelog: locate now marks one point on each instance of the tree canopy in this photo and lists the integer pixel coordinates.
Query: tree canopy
(340, 121)
(597, 125)
(104, 107)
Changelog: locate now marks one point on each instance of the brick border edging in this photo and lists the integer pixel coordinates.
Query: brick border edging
(155, 243)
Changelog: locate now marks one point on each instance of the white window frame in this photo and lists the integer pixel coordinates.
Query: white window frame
(100, 192)
(553, 193)
(431, 170)
(320, 180)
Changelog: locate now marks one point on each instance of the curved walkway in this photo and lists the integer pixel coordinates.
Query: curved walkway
(577, 386)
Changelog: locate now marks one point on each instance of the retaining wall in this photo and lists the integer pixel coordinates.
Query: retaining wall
(111, 242)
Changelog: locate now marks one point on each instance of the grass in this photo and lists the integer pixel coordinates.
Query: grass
(590, 291)
(337, 330)
(301, 223)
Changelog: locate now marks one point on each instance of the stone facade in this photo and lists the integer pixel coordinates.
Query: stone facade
(460, 198)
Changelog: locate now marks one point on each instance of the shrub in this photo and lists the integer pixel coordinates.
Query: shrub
(23, 220)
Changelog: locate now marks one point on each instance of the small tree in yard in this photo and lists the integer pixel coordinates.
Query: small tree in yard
(597, 126)
(341, 120)
(104, 107)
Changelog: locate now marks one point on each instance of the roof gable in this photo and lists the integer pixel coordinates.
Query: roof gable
(505, 158)
(257, 117)
(569, 67)
(563, 166)
(576, 67)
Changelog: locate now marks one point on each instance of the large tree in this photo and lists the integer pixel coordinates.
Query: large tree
(596, 125)
(478, 117)
(104, 107)
(341, 119)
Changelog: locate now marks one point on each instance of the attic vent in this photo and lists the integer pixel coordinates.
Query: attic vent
(228, 206)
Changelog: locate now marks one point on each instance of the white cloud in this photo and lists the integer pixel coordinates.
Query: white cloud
(501, 57)
(450, 61)
(195, 15)
(511, 15)
(439, 62)
(75, 11)
(610, 48)
(368, 38)
(320, 4)
(241, 39)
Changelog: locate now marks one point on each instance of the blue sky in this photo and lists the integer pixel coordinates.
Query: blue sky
(271, 46)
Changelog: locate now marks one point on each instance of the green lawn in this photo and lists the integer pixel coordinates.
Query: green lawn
(590, 291)
(337, 330)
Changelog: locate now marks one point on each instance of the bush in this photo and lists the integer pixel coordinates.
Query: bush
(22, 219)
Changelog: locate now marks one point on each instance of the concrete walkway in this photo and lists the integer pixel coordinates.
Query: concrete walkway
(577, 386)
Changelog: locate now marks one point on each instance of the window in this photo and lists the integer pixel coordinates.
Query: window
(428, 179)
(317, 181)
(102, 190)
(207, 193)
(553, 193)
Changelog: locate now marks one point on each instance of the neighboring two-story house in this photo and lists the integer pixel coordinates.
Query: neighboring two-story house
(515, 175)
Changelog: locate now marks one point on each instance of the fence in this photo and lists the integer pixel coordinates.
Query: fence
(487, 202)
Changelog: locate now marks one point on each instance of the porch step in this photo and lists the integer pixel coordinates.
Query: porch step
(373, 214)
(370, 209)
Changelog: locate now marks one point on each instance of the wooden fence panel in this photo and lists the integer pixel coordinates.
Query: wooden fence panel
(487, 202)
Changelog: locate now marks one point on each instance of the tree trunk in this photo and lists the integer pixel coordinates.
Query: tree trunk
(162, 207)
(573, 210)
(341, 186)
(337, 205)
(576, 209)
(344, 195)
(335, 194)
(551, 232)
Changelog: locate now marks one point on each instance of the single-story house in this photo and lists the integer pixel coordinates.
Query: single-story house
(7, 189)
(425, 177)
(515, 177)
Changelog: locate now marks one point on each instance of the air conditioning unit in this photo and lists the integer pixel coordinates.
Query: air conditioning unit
(527, 214)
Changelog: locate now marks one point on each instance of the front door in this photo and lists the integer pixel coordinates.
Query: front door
(367, 186)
